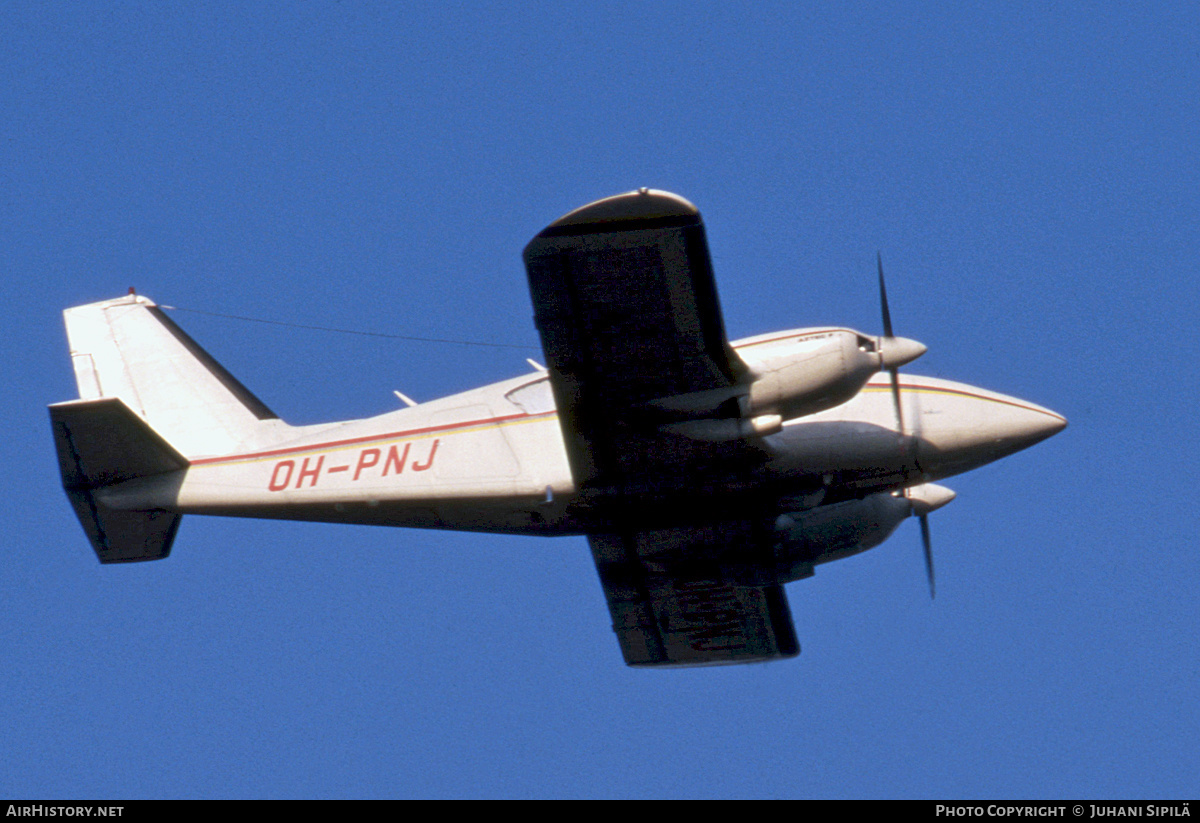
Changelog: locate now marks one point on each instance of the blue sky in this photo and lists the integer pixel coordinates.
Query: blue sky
(1028, 171)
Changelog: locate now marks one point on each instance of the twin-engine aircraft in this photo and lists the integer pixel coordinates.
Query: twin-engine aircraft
(705, 474)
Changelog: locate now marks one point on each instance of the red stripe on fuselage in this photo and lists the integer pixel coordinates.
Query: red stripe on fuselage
(371, 438)
(943, 390)
(496, 421)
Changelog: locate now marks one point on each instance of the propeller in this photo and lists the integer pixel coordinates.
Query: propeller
(895, 352)
(889, 335)
(926, 498)
(928, 546)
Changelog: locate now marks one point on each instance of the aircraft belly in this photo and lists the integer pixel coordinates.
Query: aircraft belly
(848, 452)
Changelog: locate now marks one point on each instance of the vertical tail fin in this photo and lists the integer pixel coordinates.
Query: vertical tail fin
(150, 399)
(128, 348)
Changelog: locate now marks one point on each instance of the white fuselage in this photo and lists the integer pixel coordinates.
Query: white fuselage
(493, 459)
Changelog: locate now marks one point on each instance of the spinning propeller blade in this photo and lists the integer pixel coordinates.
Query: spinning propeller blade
(887, 333)
(887, 315)
(895, 353)
(927, 543)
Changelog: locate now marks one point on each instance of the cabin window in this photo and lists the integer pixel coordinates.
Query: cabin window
(533, 398)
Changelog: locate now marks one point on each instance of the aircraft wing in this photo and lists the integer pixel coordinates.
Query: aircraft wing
(649, 396)
(627, 309)
(675, 602)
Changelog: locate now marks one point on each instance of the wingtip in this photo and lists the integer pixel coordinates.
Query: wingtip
(642, 205)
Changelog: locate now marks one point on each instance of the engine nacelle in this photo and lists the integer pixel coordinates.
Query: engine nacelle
(838, 530)
(808, 371)
(790, 375)
(811, 373)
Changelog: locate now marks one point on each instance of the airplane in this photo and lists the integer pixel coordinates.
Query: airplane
(705, 474)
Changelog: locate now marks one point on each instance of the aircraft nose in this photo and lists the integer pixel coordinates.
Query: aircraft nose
(966, 428)
(1010, 427)
(896, 351)
(1034, 425)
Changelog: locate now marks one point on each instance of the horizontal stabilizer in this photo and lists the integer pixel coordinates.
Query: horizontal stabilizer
(124, 536)
(103, 442)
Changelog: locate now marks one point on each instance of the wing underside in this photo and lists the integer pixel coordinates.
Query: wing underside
(674, 602)
(627, 309)
(626, 306)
